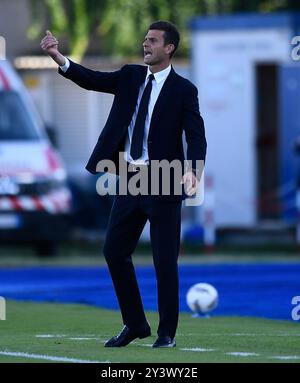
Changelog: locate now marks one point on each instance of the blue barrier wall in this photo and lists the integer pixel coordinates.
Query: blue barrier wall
(261, 290)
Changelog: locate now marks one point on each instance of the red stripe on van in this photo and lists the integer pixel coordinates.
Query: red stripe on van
(16, 204)
(4, 80)
(52, 158)
(37, 203)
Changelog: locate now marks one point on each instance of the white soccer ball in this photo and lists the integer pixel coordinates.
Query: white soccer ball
(202, 298)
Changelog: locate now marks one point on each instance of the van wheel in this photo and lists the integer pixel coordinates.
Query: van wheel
(46, 249)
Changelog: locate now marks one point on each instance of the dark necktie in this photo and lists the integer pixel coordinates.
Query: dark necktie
(136, 148)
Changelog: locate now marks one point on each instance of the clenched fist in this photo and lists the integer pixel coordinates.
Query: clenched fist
(50, 46)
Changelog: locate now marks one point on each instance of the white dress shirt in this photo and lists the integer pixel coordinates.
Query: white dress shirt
(66, 65)
(157, 84)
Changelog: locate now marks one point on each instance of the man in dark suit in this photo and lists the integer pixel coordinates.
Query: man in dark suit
(152, 107)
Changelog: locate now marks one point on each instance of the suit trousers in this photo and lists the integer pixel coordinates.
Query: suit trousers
(128, 217)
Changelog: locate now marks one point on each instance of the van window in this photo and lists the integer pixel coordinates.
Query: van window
(15, 121)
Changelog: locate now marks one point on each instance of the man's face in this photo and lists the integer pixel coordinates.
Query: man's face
(155, 50)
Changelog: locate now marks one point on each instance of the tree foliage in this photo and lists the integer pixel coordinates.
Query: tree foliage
(121, 24)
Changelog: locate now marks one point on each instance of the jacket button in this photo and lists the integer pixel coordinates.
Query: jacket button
(149, 142)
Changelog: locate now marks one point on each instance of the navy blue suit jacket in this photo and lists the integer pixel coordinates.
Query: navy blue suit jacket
(176, 109)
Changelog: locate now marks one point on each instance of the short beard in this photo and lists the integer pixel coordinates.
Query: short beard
(153, 62)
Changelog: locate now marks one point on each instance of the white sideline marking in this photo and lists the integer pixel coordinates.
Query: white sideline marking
(142, 344)
(193, 349)
(287, 357)
(49, 357)
(198, 349)
(44, 336)
(242, 353)
(50, 336)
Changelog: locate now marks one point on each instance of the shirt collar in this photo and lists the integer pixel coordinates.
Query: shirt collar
(161, 75)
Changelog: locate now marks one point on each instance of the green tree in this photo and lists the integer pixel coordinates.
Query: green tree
(76, 20)
(121, 24)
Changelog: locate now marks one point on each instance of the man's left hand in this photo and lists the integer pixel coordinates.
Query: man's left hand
(190, 183)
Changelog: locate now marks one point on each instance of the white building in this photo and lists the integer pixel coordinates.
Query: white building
(249, 93)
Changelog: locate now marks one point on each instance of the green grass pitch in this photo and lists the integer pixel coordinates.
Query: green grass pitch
(38, 332)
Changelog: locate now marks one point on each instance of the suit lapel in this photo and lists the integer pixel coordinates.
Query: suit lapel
(133, 95)
(163, 97)
(138, 81)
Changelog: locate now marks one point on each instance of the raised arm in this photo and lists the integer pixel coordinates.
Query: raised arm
(86, 78)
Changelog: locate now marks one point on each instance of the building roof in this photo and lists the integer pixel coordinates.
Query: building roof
(246, 21)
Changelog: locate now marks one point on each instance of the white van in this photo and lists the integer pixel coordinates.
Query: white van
(35, 201)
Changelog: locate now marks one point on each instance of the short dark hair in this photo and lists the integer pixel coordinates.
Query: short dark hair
(171, 34)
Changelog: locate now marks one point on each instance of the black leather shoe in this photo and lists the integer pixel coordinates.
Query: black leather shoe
(126, 336)
(164, 341)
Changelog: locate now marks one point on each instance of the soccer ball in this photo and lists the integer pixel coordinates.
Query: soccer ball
(202, 298)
